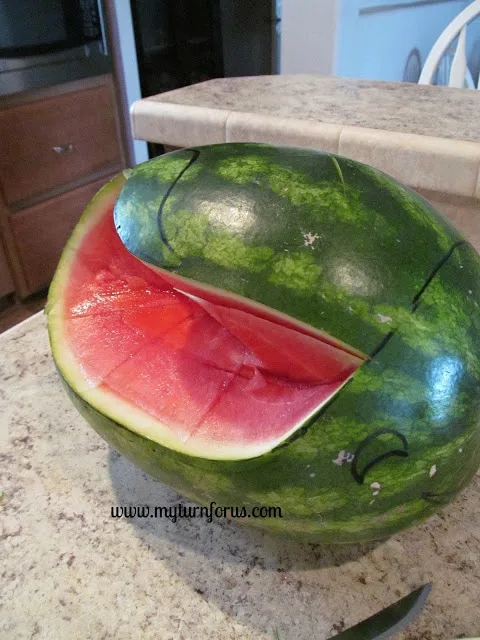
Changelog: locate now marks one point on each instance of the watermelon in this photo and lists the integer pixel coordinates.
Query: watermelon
(265, 326)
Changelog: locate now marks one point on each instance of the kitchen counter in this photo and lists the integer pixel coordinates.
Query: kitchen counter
(70, 570)
(425, 136)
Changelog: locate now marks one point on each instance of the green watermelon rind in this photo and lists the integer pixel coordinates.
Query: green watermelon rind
(320, 500)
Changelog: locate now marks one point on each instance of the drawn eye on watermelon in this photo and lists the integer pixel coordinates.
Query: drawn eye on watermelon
(259, 325)
(401, 449)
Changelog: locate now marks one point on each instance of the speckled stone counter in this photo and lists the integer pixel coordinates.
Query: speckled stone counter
(427, 137)
(70, 570)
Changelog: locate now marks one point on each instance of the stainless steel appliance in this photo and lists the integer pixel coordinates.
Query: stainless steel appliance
(49, 42)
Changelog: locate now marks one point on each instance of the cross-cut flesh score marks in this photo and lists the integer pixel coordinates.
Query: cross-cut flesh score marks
(214, 376)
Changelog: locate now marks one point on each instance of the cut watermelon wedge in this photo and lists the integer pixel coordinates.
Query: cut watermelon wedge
(190, 367)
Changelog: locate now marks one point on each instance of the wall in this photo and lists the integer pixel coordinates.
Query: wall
(347, 38)
(126, 69)
(308, 36)
(376, 45)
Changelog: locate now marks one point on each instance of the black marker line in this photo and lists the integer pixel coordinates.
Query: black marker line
(403, 453)
(416, 299)
(161, 230)
(437, 268)
(386, 339)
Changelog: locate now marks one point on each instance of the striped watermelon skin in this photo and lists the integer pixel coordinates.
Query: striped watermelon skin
(327, 240)
(347, 250)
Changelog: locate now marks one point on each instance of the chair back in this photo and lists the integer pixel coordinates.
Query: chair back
(460, 75)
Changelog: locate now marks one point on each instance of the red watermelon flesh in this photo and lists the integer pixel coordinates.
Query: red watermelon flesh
(205, 294)
(216, 377)
(279, 350)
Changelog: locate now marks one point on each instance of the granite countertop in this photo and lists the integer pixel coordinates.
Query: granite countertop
(392, 106)
(70, 570)
(426, 136)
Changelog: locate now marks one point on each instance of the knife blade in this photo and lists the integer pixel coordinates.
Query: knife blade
(390, 620)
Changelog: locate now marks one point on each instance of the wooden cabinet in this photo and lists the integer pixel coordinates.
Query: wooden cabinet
(6, 279)
(41, 232)
(51, 142)
(57, 148)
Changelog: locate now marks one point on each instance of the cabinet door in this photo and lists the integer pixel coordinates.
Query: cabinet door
(54, 141)
(41, 232)
(6, 280)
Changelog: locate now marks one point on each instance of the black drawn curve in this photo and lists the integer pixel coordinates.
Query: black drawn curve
(161, 230)
(403, 453)
(416, 299)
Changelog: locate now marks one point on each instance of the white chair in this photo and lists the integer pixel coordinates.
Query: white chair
(460, 75)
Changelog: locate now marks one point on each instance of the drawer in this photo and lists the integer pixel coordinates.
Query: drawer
(54, 141)
(6, 280)
(41, 232)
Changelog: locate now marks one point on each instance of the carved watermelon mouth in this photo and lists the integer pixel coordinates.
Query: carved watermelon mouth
(199, 370)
